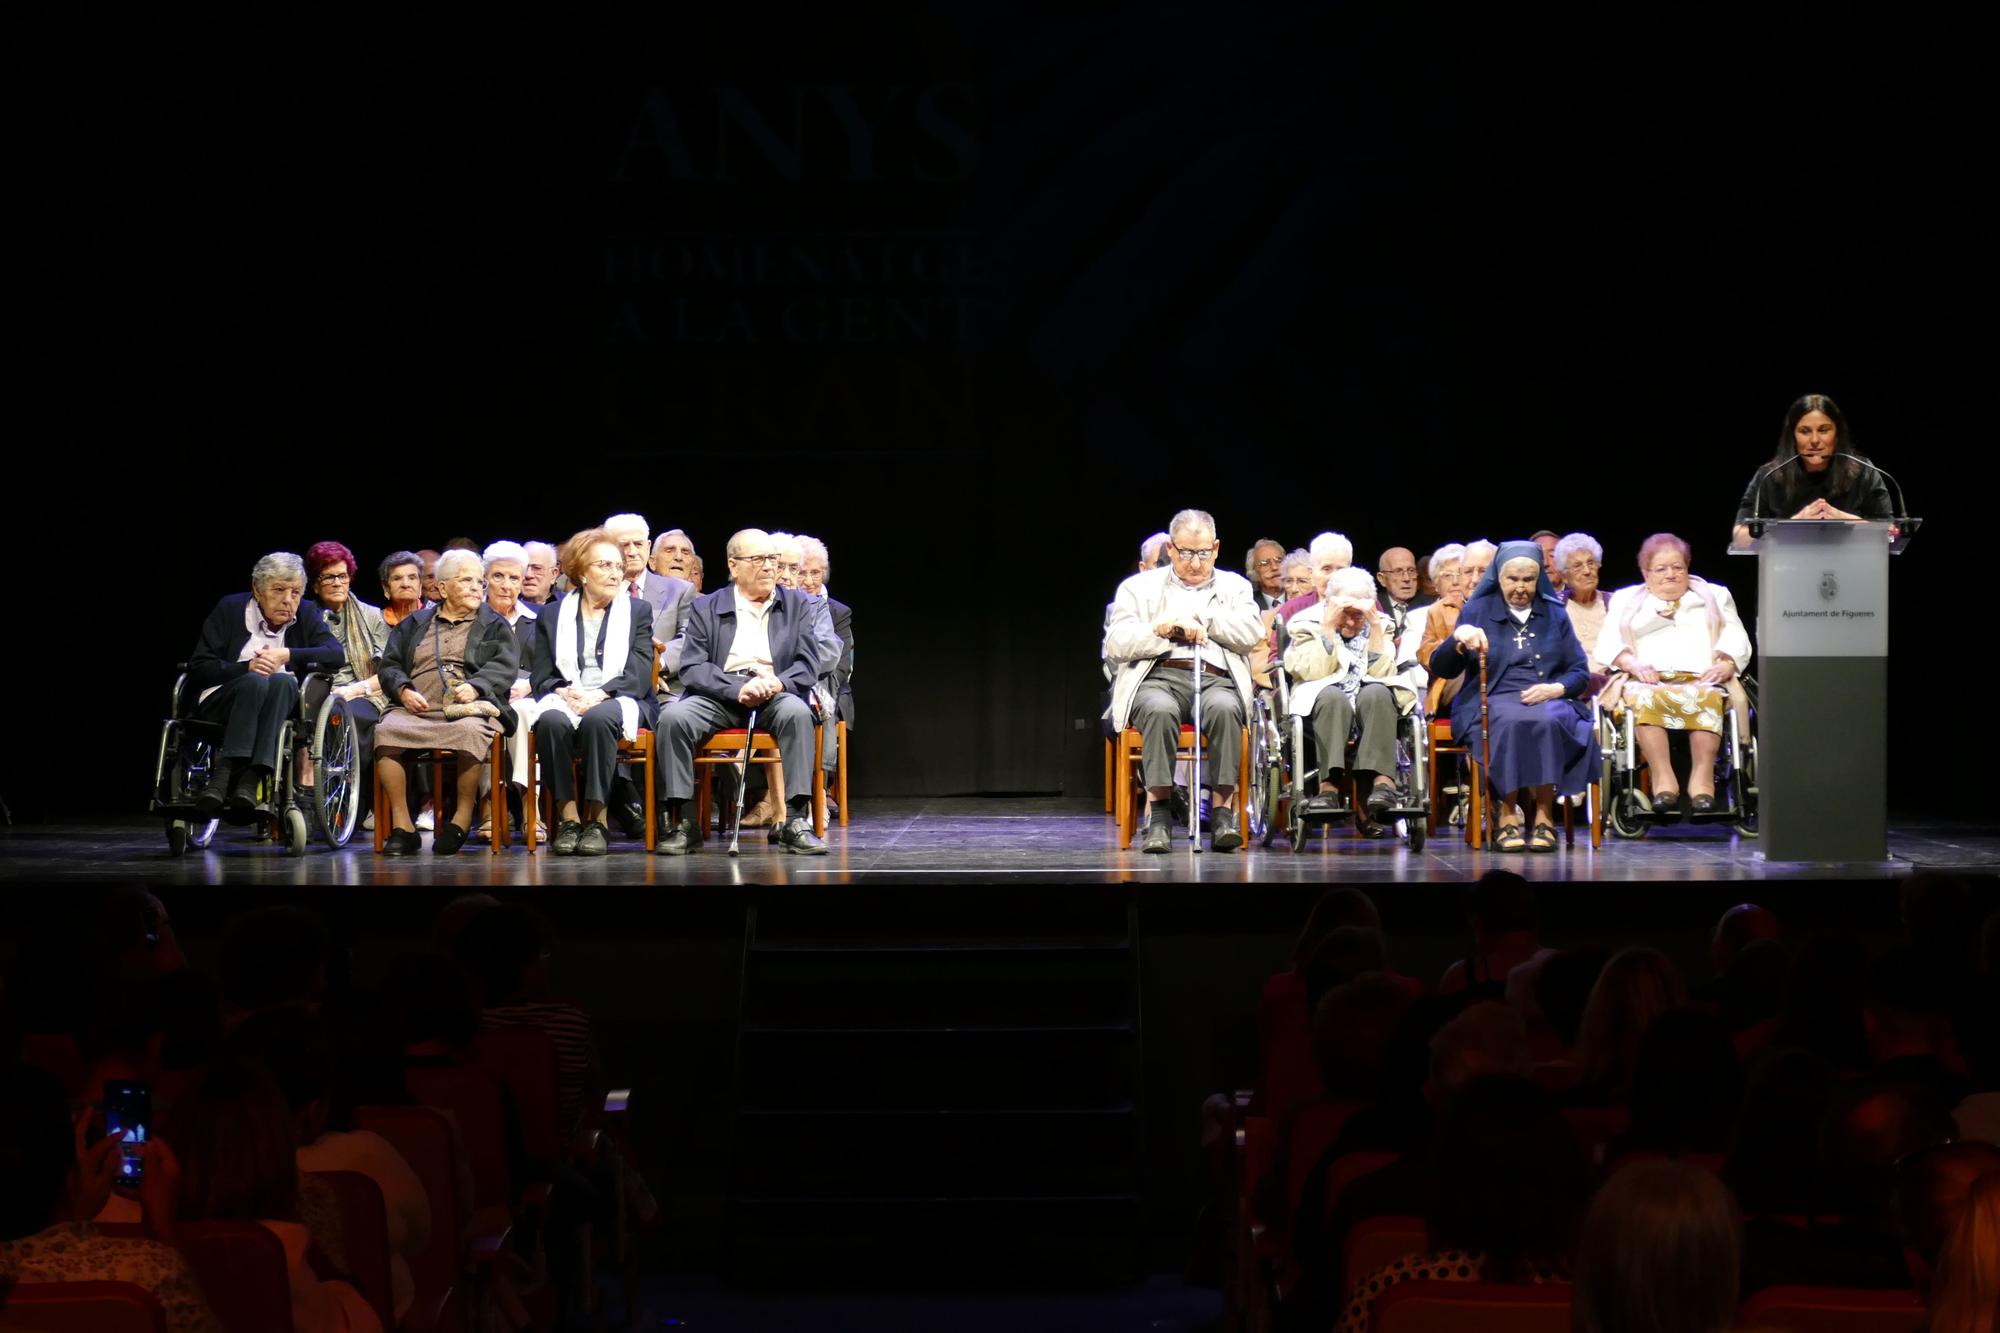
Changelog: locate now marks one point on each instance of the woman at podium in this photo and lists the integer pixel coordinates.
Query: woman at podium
(1817, 473)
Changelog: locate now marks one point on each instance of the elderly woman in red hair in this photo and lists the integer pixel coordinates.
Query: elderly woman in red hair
(330, 575)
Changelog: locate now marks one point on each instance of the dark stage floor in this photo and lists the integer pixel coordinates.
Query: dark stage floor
(963, 840)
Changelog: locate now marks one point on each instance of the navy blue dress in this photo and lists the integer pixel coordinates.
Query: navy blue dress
(1533, 744)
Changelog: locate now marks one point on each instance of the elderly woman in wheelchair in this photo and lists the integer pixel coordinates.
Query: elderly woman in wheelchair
(1675, 647)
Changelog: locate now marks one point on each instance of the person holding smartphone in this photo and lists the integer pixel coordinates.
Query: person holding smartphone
(56, 1174)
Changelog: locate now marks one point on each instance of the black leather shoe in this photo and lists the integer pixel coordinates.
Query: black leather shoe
(1382, 800)
(631, 817)
(679, 840)
(567, 833)
(1159, 837)
(796, 836)
(448, 838)
(1367, 827)
(209, 801)
(1223, 836)
(402, 842)
(1669, 809)
(592, 841)
(1701, 805)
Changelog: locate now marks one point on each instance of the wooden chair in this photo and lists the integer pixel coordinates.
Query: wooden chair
(1475, 832)
(1475, 809)
(725, 750)
(440, 760)
(243, 1272)
(1131, 795)
(1832, 1310)
(524, 1060)
(81, 1307)
(364, 1230)
(1374, 1244)
(640, 750)
(428, 1141)
(1110, 776)
(1350, 1167)
(1490, 1307)
(473, 1097)
(840, 769)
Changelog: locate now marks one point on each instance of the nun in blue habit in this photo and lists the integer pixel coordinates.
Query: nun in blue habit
(1537, 677)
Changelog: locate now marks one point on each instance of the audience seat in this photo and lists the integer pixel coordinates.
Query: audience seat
(81, 1307)
(428, 1141)
(1442, 746)
(1131, 797)
(1350, 1167)
(840, 770)
(364, 1230)
(241, 1267)
(1375, 1244)
(439, 760)
(1596, 1126)
(1832, 1310)
(524, 1060)
(1490, 1307)
(725, 750)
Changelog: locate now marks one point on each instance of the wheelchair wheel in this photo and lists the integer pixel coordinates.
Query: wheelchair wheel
(177, 837)
(1261, 797)
(294, 830)
(1414, 831)
(1630, 815)
(333, 802)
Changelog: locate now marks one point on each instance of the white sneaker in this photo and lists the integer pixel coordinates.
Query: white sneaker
(426, 821)
(368, 822)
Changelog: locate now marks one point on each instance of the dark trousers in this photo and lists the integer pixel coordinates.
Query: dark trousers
(1333, 721)
(691, 719)
(557, 744)
(1164, 702)
(252, 710)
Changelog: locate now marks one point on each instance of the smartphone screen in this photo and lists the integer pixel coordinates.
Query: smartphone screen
(128, 1111)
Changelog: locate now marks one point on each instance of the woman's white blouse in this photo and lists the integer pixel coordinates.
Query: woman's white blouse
(1681, 642)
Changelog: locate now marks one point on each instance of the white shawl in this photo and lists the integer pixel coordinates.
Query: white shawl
(617, 646)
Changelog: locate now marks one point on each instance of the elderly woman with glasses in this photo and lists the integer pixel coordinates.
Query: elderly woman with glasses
(1677, 643)
(446, 672)
(244, 673)
(592, 681)
(1579, 560)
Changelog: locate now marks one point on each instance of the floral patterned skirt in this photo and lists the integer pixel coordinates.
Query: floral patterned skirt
(1677, 703)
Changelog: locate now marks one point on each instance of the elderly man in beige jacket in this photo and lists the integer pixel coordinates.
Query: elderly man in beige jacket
(1342, 663)
(1166, 624)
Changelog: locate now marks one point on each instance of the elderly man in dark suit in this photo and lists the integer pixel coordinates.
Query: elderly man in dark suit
(747, 645)
(670, 599)
(836, 680)
(244, 673)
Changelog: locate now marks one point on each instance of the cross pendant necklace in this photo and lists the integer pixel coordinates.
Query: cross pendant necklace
(1521, 637)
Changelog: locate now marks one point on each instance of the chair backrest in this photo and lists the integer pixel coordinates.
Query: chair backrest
(364, 1230)
(1490, 1307)
(473, 1096)
(1832, 1310)
(1376, 1243)
(81, 1307)
(1315, 1127)
(428, 1141)
(1596, 1126)
(524, 1060)
(243, 1273)
(1349, 1167)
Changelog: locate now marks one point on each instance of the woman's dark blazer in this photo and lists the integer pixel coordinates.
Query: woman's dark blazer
(634, 682)
(492, 657)
(223, 634)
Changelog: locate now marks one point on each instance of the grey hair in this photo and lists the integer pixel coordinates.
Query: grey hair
(620, 522)
(1292, 561)
(661, 540)
(499, 551)
(529, 548)
(1250, 556)
(455, 559)
(1332, 543)
(739, 538)
(275, 566)
(813, 546)
(1573, 544)
(1149, 550)
(394, 561)
(1354, 581)
(1445, 555)
(1190, 518)
(1479, 547)
(786, 538)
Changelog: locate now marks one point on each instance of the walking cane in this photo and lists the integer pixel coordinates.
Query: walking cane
(1194, 780)
(743, 780)
(1485, 753)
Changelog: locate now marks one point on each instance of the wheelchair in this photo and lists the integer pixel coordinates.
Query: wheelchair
(1629, 810)
(329, 807)
(1282, 777)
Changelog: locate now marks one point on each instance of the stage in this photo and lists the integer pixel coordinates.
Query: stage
(964, 841)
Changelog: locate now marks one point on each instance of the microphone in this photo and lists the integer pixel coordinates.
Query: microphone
(1757, 509)
(1902, 510)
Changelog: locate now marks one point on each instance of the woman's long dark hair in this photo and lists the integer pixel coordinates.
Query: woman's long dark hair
(1782, 487)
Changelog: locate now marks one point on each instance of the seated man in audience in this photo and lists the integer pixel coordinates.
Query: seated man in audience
(506, 573)
(1548, 541)
(1396, 572)
(673, 555)
(767, 781)
(430, 584)
(54, 1178)
(244, 673)
(1906, 1014)
(697, 576)
(1738, 928)
(1261, 565)
(1165, 625)
(539, 568)
(1340, 659)
(1933, 1188)
(670, 599)
(1506, 932)
(747, 646)
(838, 705)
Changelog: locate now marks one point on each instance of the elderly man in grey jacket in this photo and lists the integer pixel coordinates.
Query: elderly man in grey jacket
(1166, 624)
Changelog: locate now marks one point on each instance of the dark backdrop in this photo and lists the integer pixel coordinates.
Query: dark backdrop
(980, 294)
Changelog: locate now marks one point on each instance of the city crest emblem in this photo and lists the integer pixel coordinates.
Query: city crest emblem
(1829, 586)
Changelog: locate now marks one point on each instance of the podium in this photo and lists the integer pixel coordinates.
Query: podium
(1823, 688)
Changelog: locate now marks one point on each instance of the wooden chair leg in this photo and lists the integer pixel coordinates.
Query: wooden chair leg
(531, 808)
(1596, 807)
(652, 801)
(1243, 789)
(1569, 823)
(382, 820)
(498, 791)
(704, 794)
(1127, 762)
(819, 783)
(1475, 810)
(840, 769)
(1110, 776)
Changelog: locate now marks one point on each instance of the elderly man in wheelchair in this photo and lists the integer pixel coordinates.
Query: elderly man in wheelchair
(228, 748)
(1340, 691)
(1676, 649)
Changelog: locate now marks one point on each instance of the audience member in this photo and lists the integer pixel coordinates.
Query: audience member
(697, 575)
(1907, 1020)
(133, 936)
(1347, 952)
(673, 556)
(1446, 568)
(1295, 575)
(1341, 661)
(427, 562)
(1579, 561)
(238, 1165)
(1659, 1253)
(1687, 1086)
(1562, 986)
(1965, 1292)
(1823, 999)
(1508, 1190)
(401, 575)
(272, 957)
(506, 950)
(1773, 1164)
(813, 575)
(1752, 994)
(1933, 1187)
(1636, 987)
(1262, 564)
(539, 568)
(52, 1181)
(1351, 1030)
(1506, 932)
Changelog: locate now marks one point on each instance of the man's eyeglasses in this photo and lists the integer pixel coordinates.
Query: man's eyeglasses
(756, 559)
(1194, 557)
(1271, 562)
